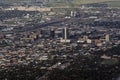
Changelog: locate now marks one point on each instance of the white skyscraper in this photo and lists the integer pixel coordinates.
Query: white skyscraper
(107, 38)
(65, 34)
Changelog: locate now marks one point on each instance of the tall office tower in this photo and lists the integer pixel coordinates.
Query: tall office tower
(71, 13)
(65, 35)
(107, 38)
(85, 38)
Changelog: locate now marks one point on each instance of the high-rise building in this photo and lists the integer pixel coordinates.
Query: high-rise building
(73, 13)
(65, 35)
(85, 38)
(107, 38)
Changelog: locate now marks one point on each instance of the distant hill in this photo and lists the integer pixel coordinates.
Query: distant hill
(90, 1)
(74, 1)
(110, 3)
(113, 3)
(14, 1)
(54, 3)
